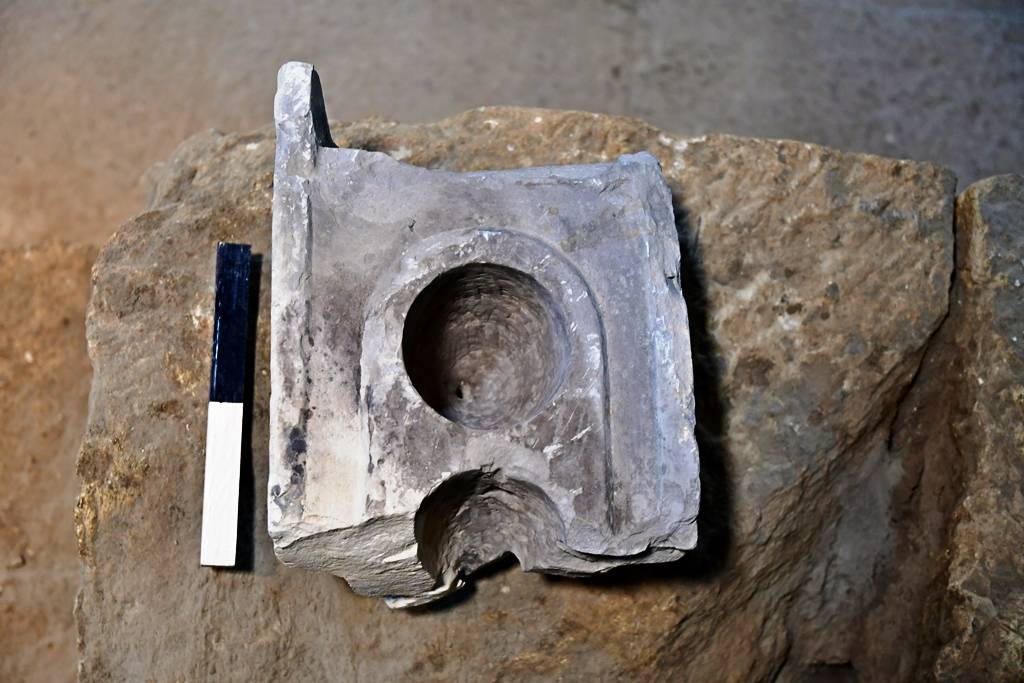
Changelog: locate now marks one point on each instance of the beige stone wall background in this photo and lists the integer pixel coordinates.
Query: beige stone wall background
(93, 93)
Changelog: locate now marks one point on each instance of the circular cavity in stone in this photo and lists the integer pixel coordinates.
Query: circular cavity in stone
(485, 345)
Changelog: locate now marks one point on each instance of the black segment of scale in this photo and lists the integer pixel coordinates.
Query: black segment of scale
(230, 323)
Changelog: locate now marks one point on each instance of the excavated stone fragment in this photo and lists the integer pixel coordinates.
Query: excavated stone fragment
(471, 364)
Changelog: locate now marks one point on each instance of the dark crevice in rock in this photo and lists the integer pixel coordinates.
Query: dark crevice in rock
(979, 613)
(935, 611)
(890, 626)
(930, 342)
(900, 627)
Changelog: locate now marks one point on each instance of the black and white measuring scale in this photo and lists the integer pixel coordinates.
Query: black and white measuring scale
(224, 420)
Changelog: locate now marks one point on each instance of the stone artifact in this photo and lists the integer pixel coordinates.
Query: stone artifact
(845, 533)
(465, 365)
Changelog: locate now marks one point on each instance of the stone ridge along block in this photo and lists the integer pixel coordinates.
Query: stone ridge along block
(465, 365)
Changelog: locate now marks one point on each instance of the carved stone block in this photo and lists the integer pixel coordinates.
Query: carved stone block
(470, 364)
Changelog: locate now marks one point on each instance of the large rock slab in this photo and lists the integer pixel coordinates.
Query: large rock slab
(814, 280)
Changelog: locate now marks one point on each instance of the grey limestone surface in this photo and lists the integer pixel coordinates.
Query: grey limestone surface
(471, 364)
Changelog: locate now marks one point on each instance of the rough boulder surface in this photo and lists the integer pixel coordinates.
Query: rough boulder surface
(827, 362)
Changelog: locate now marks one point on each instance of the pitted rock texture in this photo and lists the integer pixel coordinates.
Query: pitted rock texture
(816, 282)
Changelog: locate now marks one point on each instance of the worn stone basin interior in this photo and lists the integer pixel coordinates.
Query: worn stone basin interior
(471, 364)
(485, 345)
